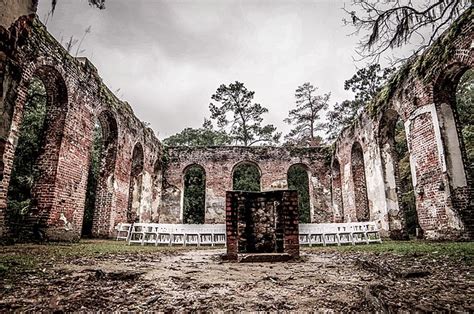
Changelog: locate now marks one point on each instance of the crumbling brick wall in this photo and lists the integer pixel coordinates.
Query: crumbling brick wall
(421, 94)
(219, 162)
(79, 98)
(417, 94)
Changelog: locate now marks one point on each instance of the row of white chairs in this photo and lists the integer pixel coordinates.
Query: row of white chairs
(339, 233)
(215, 234)
(172, 234)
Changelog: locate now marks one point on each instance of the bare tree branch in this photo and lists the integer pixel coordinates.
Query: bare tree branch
(394, 24)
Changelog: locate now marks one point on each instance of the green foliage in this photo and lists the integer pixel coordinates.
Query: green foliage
(194, 195)
(341, 116)
(436, 249)
(465, 110)
(381, 98)
(246, 177)
(244, 118)
(306, 115)
(365, 84)
(93, 175)
(204, 136)
(298, 180)
(437, 55)
(24, 172)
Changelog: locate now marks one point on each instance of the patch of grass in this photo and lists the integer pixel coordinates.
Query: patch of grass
(21, 258)
(85, 248)
(449, 249)
(3, 268)
(16, 263)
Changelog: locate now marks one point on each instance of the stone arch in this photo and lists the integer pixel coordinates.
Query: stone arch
(390, 127)
(250, 170)
(453, 155)
(43, 196)
(361, 201)
(104, 198)
(135, 187)
(336, 186)
(194, 194)
(296, 181)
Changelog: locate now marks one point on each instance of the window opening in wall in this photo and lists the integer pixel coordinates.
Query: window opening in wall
(405, 188)
(360, 184)
(92, 178)
(337, 190)
(298, 180)
(465, 110)
(194, 203)
(24, 172)
(246, 177)
(135, 189)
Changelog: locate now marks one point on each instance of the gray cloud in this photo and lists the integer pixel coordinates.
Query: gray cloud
(169, 57)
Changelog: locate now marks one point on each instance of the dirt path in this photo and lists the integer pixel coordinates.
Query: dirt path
(200, 280)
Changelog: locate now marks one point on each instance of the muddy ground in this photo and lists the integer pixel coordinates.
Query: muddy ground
(39, 278)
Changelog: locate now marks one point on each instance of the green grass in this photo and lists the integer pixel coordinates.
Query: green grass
(26, 257)
(88, 248)
(16, 263)
(101, 247)
(449, 249)
(29, 257)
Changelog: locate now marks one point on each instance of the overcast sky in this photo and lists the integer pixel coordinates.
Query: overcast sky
(166, 58)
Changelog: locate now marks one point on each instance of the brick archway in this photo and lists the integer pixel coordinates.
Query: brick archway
(389, 125)
(457, 166)
(135, 187)
(303, 195)
(336, 191)
(193, 207)
(362, 212)
(105, 202)
(43, 209)
(249, 164)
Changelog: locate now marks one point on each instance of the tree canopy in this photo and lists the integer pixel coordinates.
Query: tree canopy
(365, 84)
(203, 136)
(304, 118)
(240, 116)
(246, 177)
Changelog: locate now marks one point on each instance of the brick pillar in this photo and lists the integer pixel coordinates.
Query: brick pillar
(231, 224)
(436, 214)
(291, 218)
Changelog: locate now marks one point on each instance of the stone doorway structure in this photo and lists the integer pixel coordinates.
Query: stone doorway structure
(262, 226)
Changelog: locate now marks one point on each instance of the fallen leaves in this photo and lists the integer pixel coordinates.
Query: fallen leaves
(197, 280)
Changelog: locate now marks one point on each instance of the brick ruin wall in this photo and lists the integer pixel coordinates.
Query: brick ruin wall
(219, 163)
(140, 181)
(77, 98)
(422, 94)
